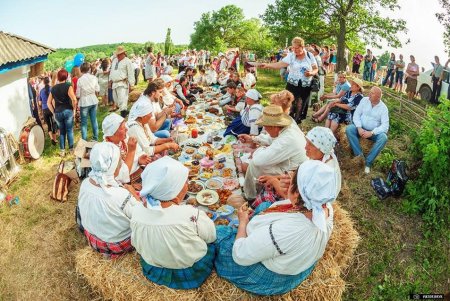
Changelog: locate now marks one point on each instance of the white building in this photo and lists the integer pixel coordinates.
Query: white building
(20, 58)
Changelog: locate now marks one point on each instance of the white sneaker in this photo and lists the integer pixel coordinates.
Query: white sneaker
(367, 170)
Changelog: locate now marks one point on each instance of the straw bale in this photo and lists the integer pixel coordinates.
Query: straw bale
(134, 95)
(344, 238)
(122, 279)
(366, 144)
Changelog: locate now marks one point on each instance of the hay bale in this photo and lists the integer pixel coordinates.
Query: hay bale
(366, 144)
(322, 285)
(344, 238)
(134, 95)
(122, 279)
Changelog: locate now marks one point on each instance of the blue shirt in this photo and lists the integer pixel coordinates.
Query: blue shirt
(44, 97)
(343, 87)
(371, 118)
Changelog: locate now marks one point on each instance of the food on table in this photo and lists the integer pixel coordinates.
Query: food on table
(218, 165)
(205, 175)
(207, 197)
(217, 138)
(189, 150)
(194, 186)
(197, 156)
(201, 132)
(214, 184)
(210, 215)
(236, 201)
(192, 201)
(221, 222)
(213, 111)
(199, 116)
(225, 210)
(210, 153)
(227, 172)
(208, 169)
(190, 119)
(187, 164)
(230, 184)
(224, 194)
(195, 162)
(193, 144)
(214, 207)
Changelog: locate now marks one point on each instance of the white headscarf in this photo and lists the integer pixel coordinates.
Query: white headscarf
(317, 185)
(163, 180)
(140, 108)
(323, 138)
(104, 159)
(111, 124)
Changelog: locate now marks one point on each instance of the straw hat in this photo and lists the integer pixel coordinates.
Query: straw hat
(120, 49)
(273, 116)
(358, 82)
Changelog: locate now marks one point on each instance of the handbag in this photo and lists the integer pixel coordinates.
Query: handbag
(315, 84)
(62, 182)
(338, 110)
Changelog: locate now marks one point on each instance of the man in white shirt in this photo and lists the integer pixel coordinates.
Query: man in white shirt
(87, 91)
(370, 121)
(286, 152)
(122, 78)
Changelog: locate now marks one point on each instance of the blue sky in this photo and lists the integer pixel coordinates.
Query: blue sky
(87, 22)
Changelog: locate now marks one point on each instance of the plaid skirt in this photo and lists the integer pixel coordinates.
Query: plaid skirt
(109, 249)
(267, 194)
(256, 278)
(188, 278)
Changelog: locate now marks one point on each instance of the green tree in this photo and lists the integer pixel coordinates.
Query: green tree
(317, 20)
(227, 27)
(444, 18)
(167, 43)
(384, 59)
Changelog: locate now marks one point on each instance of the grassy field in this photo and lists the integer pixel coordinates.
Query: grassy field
(39, 237)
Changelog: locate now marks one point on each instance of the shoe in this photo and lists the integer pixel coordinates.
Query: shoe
(367, 170)
(62, 153)
(53, 142)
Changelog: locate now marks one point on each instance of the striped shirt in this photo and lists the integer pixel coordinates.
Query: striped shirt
(250, 115)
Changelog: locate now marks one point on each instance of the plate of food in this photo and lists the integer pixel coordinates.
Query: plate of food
(208, 169)
(224, 194)
(225, 210)
(212, 215)
(218, 165)
(189, 150)
(190, 120)
(192, 201)
(214, 183)
(205, 176)
(222, 222)
(230, 184)
(227, 173)
(202, 150)
(230, 139)
(207, 197)
(195, 187)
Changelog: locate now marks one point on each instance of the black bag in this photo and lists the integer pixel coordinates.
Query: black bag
(397, 177)
(315, 84)
(381, 188)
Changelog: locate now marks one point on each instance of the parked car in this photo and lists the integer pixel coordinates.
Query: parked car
(425, 85)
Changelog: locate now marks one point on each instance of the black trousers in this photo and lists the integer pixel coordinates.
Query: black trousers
(299, 109)
(436, 90)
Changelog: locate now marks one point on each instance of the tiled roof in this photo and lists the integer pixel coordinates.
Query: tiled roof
(14, 48)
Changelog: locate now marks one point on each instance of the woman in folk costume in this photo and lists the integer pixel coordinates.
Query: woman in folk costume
(277, 249)
(140, 115)
(104, 206)
(174, 240)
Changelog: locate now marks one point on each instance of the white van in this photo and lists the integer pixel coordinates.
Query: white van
(425, 85)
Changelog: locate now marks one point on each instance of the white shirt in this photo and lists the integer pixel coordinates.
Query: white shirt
(298, 67)
(173, 238)
(296, 236)
(144, 136)
(249, 80)
(168, 98)
(102, 213)
(211, 77)
(371, 118)
(87, 85)
(287, 151)
(121, 73)
(124, 173)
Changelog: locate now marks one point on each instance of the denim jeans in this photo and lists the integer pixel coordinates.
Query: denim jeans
(164, 130)
(92, 112)
(64, 119)
(389, 76)
(353, 138)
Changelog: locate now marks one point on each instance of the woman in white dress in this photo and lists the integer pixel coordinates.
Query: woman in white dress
(174, 240)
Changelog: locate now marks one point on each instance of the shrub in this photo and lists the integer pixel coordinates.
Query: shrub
(429, 193)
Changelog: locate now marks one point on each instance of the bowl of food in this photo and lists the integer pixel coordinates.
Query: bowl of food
(224, 194)
(225, 210)
(195, 187)
(230, 184)
(192, 201)
(205, 176)
(189, 150)
(227, 172)
(221, 222)
(214, 183)
(212, 215)
(207, 197)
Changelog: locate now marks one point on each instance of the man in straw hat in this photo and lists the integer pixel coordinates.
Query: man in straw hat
(122, 78)
(370, 121)
(286, 152)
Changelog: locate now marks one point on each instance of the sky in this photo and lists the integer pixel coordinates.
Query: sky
(77, 23)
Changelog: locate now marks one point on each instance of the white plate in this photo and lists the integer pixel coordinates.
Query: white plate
(214, 183)
(199, 183)
(211, 197)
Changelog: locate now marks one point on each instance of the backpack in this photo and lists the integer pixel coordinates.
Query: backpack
(397, 177)
(62, 182)
(315, 82)
(395, 182)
